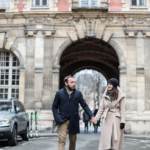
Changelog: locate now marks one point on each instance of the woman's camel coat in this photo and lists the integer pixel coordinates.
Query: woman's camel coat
(112, 137)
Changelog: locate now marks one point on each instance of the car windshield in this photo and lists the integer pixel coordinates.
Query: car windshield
(6, 106)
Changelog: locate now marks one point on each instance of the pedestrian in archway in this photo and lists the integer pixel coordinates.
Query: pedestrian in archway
(86, 120)
(113, 106)
(98, 122)
(68, 100)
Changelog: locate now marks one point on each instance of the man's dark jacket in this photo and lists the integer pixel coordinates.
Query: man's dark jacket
(68, 109)
(85, 117)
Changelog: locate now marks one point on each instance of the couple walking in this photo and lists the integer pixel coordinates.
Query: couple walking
(112, 107)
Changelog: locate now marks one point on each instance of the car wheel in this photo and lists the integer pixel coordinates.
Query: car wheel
(25, 136)
(13, 140)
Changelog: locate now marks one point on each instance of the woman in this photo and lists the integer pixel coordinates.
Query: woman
(112, 107)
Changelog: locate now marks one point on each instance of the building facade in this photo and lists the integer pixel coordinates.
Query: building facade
(42, 41)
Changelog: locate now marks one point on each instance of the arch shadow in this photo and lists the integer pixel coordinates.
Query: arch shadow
(112, 43)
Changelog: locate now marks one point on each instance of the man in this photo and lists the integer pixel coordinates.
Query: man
(67, 101)
(86, 120)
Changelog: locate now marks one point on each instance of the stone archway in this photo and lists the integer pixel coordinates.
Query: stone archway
(18, 54)
(14, 50)
(89, 53)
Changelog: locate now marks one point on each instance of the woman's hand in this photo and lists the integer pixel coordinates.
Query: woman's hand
(122, 125)
(93, 120)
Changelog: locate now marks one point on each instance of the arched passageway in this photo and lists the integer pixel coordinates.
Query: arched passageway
(89, 54)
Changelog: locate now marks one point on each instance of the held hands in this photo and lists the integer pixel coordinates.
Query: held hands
(93, 120)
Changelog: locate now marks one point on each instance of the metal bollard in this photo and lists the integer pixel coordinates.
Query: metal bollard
(36, 130)
(31, 133)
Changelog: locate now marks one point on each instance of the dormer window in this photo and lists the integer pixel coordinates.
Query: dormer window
(138, 3)
(40, 3)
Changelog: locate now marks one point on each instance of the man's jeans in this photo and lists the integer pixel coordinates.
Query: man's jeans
(62, 134)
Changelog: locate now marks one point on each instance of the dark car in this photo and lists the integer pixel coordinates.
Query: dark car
(13, 121)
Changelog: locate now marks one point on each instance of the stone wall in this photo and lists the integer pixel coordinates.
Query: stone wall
(39, 42)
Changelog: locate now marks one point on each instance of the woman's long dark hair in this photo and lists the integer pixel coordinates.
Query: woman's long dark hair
(115, 94)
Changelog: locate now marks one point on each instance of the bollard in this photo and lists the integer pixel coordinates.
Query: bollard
(36, 131)
(31, 133)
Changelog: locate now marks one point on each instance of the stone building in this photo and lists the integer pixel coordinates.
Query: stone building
(42, 41)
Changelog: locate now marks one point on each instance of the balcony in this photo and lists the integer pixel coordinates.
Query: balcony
(99, 5)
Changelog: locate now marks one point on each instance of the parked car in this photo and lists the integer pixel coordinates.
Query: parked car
(13, 121)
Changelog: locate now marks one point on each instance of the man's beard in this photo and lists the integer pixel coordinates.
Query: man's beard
(70, 88)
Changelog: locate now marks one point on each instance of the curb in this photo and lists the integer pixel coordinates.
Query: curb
(48, 135)
(137, 137)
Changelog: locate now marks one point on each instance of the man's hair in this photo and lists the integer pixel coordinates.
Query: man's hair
(66, 78)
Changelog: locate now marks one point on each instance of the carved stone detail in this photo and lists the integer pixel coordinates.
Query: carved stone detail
(140, 70)
(10, 42)
(116, 20)
(90, 24)
(66, 20)
(131, 33)
(100, 31)
(30, 32)
(72, 35)
(80, 30)
(40, 20)
(147, 33)
(123, 69)
(49, 33)
(107, 36)
(103, 20)
(139, 20)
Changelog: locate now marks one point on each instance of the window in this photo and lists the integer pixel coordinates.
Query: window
(89, 3)
(5, 106)
(9, 75)
(15, 93)
(4, 3)
(40, 3)
(15, 77)
(139, 3)
(3, 93)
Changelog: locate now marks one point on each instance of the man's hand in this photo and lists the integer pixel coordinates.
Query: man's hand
(93, 120)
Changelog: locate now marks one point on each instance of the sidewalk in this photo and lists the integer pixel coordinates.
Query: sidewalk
(141, 136)
(91, 129)
(132, 136)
